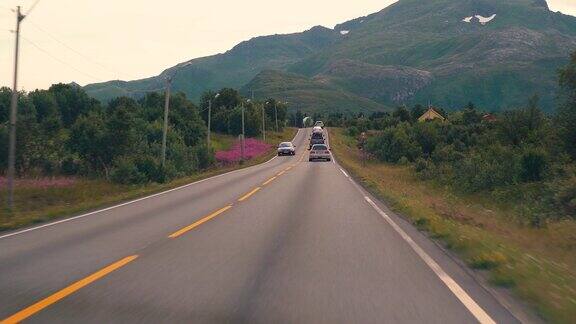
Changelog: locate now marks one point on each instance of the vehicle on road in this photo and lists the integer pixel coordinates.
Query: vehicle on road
(319, 123)
(286, 148)
(319, 152)
(316, 138)
(317, 129)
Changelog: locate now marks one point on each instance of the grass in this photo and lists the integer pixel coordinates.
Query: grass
(38, 205)
(222, 142)
(536, 264)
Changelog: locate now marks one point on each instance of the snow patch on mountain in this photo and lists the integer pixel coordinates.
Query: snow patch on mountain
(481, 19)
(485, 20)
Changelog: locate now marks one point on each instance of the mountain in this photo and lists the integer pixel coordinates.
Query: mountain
(232, 69)
(494, 53)
(308, 94)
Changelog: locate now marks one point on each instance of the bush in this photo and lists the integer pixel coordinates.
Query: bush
(563, 194)
(352, 131)
(126, 172)
(393, 144)
(534, 163)
(486, 169)
(204, 156)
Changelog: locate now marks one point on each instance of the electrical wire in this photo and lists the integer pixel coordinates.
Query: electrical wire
(32, 7)
(59, 60)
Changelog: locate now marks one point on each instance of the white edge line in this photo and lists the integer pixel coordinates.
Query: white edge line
(464, 298)
(137, 200)
(346, 174)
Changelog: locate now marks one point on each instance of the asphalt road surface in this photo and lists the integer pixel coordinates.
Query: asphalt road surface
(288, 241)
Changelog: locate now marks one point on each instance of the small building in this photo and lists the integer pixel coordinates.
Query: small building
(489, 118)
(431, 114)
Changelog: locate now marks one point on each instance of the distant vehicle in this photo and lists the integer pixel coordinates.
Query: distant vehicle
(319, 123)
(286, 148)
(317, 129)
(317, 138)
(319, 152)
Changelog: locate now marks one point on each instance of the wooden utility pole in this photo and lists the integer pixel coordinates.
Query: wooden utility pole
(165, 128)
(13, 116)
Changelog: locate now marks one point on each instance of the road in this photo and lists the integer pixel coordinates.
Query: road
(287, 241)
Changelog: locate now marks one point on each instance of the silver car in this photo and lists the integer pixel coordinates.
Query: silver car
(319, 152)
(286, 148)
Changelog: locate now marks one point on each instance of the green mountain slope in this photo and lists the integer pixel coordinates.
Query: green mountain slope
(449, 52)
(497, 64)
(307, 94)
(232, 69)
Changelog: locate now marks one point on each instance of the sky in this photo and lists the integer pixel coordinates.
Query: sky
(89, 41)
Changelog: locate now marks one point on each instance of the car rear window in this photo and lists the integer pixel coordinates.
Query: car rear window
(317, 136)
(285, 145)
(320, 148)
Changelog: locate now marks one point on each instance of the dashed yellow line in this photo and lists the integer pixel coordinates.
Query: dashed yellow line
(269, 180)
(35, 308)
(281, 173)
(198, 223)
(246, 196)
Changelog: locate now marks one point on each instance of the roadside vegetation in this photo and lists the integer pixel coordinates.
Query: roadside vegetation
(497, 189)
(75, 153)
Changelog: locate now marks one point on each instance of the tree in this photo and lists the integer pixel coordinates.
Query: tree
(402, 114)
(88, 140)
(566, 116)
(72, 102)
(470, 115)
(523, 126)
(417, 111)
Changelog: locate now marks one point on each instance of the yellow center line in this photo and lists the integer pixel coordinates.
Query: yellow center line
(246, 196)
(33, 309)
(281, 173)
(268, 181)
(288, 168)
(198, 223)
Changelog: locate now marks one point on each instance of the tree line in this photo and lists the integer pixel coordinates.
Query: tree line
(62, 131)
(522, 157)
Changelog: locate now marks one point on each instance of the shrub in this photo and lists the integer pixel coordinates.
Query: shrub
(393, 144)
(534, 162)
(126, 172)
(204, 156)
(487, 169)
(352, 131)
(563, 194)
(487, 260)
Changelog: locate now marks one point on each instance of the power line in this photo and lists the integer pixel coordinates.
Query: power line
(115, 73)
(59, 60)
(32, 8)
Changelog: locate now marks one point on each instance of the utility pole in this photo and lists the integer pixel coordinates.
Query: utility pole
(242, 142)
(166, 109)
(276, 114)
(264, 121)
(209, 117)
(13, 116)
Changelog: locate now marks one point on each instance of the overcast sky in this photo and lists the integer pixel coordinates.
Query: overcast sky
(99, 40)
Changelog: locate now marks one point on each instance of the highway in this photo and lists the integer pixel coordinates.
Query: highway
(287, 241)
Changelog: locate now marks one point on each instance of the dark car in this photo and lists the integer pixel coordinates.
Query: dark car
(286, 148)
(317, 138)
